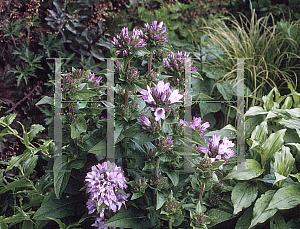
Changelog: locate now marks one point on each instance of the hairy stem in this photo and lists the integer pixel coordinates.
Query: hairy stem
(202, 191)
(156, 168)
(170, 223)
(150, 61)
(126, 97)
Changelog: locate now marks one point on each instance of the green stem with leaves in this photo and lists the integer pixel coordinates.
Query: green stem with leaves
(156, 168)
(170, 223)
(150, 61)
(202, 191)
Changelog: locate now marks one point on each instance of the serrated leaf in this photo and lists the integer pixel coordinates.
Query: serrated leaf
(242, 196)
(34, 129)
(78, 127)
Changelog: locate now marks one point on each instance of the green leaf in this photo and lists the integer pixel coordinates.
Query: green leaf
(287, 103)
(29, 165)
(46, 100)
(278, 222)
(260, 214)
(228, 131)
(285, 198)
(269, 100)
(296, 176)
(15, 161)
(217, 216)
(260, 133)
(16, 184)
(293, 123)
(174, 176)
(58, 221)
(226, 89)
(99, 148)
(34, 129)
(242, 196)
(283, 164)
(212, 72)
(84, 94)
(209, 107)
(27, 224)
(61, 175)
(272, 145)
(160, 200)
(245, 220)
(247, 171)
(25, 136)
(56, 208)
(253, 111)
(6, 131)
(128, 219)
(136, 196)
(7, 120)
(78, 127)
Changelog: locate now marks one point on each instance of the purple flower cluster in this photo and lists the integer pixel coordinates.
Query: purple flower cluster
(196, 125)
(218, 151)
(154, 34)
(148, 125)
(126, 43)
(165, 143)
(160, 97)
(177, 62)
(103, 183)
(93, 78)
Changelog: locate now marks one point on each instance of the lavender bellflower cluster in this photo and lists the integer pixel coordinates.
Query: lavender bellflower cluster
(126, 43)
(196, 125)
(160, 97)
(154, 34)
(103, 183)
(218, 151)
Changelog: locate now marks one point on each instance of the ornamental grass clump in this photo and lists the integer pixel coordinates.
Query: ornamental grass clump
(103, 185)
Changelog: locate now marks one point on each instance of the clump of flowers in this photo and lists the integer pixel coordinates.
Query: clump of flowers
(165, 144)
(158, 182)
(160, 98)
(176, 65)
(103, 183)
(127, 43)
(153, 127)
(218, 151)
(196, 125)
(92, 77)
(199, 221)
(140, 185)
(154, 34)
(128, 110)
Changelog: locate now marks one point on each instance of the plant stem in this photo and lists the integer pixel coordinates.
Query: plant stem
(202, 191)
(150, 61)
(170, 223)
(156, 168)
(126, 97)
